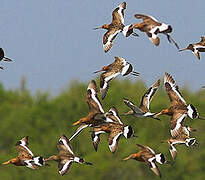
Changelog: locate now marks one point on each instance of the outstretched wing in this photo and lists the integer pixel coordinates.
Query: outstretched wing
(92, 98)
(96, 137)
(114, 115)
(177, 121)
(23, 150)
(64, 147)
(105, 78)
(148, 19)
(131, 105)
(109, 37)
(153, 166)
(113, 139)
(79, 130)
(147, 97)
(64, 165)
(118, 14)
(146, 148)
(173, 90)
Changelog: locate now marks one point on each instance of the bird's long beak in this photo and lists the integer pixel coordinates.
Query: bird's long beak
(7, 162)
(127, 158)
(97, 71)
(88, 163)
(154, 116)
(100, 27)
(201, 118)
(183, 49)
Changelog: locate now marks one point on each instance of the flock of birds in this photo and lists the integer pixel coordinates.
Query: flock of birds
(110, 122)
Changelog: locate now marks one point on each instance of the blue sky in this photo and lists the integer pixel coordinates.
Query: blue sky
(52, 42)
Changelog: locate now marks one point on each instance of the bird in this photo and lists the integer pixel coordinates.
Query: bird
(3, 58)
(143, 110)
(147, 155)
(177, 125)
(25, 156)
(96, 115)
(152, 27)
(196, 48)
(66, 157)
(113, 116)
(115, 27)
(182, 138)
(119, 66)
(178, 109)
(114, 130)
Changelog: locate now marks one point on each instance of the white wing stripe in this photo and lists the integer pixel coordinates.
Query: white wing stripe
(23, 144)
(66, 165)
(125, 68)
(66, 145)
(93, 95)
(114, 141)
(173, 86)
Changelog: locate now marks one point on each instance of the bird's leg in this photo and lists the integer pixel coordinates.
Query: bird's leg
(135, 73)
(171, 40)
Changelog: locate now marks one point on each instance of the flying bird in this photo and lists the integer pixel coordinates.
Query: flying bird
(66, 157)
(143, 110)
(177, 125)
(96, 115)
(152, 27)
(178, 108)
(182, 138)
(25, 156)
(3, 58)
(196, 48)
(119, 66)
(114, 129)
(115, 27)
(147, 155)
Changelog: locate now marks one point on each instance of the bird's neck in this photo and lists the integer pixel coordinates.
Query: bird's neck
(53, 157)
(14, 161)
(105, 26)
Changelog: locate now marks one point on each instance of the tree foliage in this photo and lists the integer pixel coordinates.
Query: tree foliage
(44, 118)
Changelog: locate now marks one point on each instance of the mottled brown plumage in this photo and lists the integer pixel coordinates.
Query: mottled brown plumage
(119, 66)
(114, 128)
(96, 115)
(65, 157)
(196, 47)
(115, 27)
(25, 156)
(152, 27)
(147, 155)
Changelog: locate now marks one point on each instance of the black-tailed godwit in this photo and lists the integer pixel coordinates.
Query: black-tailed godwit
(96, 115)
(179, 108)
(114, 129)
(147, 155)
(143, 110)
(151, 26)
(119, 66)
(25, 156)
(66, 157)
(196, 48)
(115, 27)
